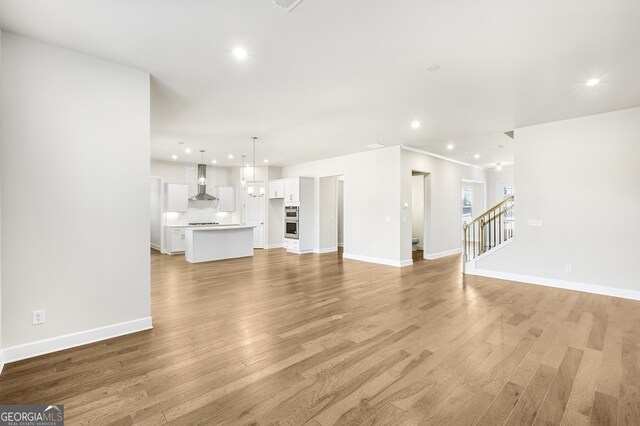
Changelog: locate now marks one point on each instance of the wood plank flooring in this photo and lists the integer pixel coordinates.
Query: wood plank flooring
(315, 340)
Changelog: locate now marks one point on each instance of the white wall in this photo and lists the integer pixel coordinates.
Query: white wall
(328, 211)
(371, 201)
(74, 166)
(1, 356)
(443, 220)
(341, 211)
(580, 177)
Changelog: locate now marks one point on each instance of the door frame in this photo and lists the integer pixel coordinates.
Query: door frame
(161, 179)
(426, 212)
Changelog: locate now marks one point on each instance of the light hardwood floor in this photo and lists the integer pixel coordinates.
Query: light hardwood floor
(288, 339)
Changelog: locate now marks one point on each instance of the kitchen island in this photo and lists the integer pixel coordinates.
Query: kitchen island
(204, 244)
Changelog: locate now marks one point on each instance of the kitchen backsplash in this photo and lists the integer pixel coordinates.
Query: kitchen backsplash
(194, 214)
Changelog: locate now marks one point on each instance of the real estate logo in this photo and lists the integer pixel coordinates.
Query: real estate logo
(32, 415)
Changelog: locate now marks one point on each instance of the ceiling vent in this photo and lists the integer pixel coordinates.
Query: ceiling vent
(287, 4)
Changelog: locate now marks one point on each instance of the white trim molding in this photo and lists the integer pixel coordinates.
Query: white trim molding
(1, 361)
(567, 285)
(326, 250)
(434, 256)
(67, 341)
(378, 260)
(274, 246)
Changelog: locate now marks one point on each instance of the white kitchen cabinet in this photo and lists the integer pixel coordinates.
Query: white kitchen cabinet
(174, 240)
(276, 188)
(177, 197)
(292, 190)
(227, 197)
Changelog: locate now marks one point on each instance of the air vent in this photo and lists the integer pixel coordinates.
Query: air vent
(287, 4)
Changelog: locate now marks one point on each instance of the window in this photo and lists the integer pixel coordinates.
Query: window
(467, 201)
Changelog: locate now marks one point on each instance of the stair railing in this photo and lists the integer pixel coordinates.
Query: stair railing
(488, 230)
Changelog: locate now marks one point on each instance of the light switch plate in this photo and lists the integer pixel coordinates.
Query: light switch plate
(535, 222)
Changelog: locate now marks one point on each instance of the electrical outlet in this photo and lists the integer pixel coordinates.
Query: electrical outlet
(38, 317)
(567, 268)
(387, 219)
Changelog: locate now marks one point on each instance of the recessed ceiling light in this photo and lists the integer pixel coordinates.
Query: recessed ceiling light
(476, 156)
(175, 157)
(231, 156)
(593, 81)
(180, 143)
(240, 53)
(188, 150)
(433, 68)
(214, 161)
(266, 161)
(450, 146)
(415, 124)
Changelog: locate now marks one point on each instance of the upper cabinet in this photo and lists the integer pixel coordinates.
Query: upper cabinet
(177, 197)
(292, 190)
(227, 197)
(276, 188)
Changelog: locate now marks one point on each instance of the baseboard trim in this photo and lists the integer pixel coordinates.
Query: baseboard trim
(378, 260)
(274, 246)
(566, 285)
(155, 247)
(67, 341)
(326, 250)
(1, 361)
(434, 256)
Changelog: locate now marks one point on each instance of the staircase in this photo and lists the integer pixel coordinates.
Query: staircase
(487, 233)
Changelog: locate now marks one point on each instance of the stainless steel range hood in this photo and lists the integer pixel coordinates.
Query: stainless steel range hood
(202, 189)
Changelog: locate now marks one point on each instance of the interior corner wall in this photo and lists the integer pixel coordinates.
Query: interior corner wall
(371, 201)
(74, 166)
(444, 235)
(580, 177)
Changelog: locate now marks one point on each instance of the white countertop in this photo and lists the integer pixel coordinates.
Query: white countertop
(218, 228)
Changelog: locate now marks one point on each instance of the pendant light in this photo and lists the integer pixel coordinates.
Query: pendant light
(251, 190)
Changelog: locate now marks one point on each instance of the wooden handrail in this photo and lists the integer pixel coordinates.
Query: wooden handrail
(496, 207)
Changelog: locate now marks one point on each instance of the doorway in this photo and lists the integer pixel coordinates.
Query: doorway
(254, 211)
(420, 209)
(331, 214)
(155, 218)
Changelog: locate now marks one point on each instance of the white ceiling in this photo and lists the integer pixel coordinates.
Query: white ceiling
(334, 75)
